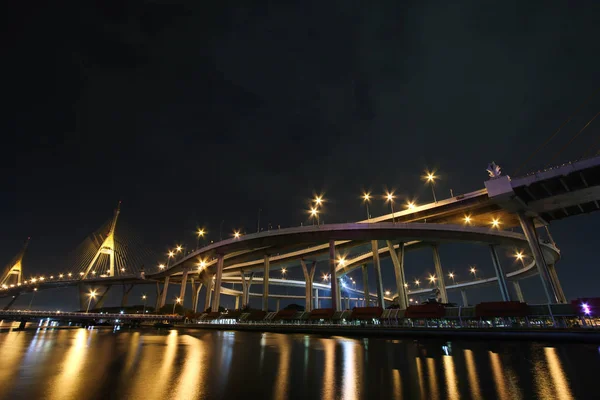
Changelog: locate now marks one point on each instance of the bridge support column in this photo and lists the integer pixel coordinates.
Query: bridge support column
(528, 227)
(316, 298)
(217, 292)
(163, 294)
(207, 299)
(183, 285)
(499, 274)
(398, 261)
(196, 295)
(265, 305)
(365, 274)
(126, 290)
(377, 267)
(332, 277)
(463, 293)
(518, 291)
(559, 291)
(246, 283)
(338, 294)
(237, 302)
(277, 304)
(309, 275)
(440, 273)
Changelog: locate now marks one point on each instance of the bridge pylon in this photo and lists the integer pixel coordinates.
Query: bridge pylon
(15, 267)
(107, 247)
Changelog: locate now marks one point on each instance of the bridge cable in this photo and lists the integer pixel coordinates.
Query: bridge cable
(572, 139)
(558, 130)
(592, 148)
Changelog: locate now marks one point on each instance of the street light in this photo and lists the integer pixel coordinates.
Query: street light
(430, 178)
(495, 223)
(474, 272)
(467, 219)
(199, 234)
(432, 279)
(283, 272)
(177, 301)
(314, 213)
(325, 277)
(202, 264)
(411, 205)
(161, 266)
(171, 254)
(32, 296)
(342, 261)
(390, 197)
(451, 275)
(367, 198)
(318, 200)
(387, 292)
(417, 282)
(144, 297)
(236, 234)
(519, 256)
(92, 295)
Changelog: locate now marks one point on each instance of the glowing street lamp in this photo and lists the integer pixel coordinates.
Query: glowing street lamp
(314, 213)
(161, 266)
(519, 255)
(32, 296)
(318, 200)
(92, 295)
(473, 271)
(144, 297)
(199, 234)
(387, 292)
(283, 272)
(325, 277)
(467, 219)
(177, 301)
(202, 264)
(367, 199)
(341, 261)
(432, 279)
(171, 254)
(495, 223)
(411, 205)
(236, 234)
(430, 178)
(451, 275)
(389, 197)
(417, 282)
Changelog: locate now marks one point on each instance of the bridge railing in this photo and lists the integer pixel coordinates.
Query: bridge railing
(66, 314)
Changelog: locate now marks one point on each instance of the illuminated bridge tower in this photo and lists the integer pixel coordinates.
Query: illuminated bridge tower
(14, 268)
(107, 247)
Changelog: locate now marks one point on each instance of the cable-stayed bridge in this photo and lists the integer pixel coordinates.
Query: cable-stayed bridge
(482, 217)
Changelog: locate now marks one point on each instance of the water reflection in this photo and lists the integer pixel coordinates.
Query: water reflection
(206, 364)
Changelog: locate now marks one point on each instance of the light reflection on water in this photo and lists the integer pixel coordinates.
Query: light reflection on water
(194, 364)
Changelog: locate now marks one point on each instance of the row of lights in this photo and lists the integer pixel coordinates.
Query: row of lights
(43, 279)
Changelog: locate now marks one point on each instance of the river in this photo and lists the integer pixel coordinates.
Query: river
(197, 364)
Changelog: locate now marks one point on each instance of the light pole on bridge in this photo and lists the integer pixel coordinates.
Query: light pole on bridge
(32, 296)
(177, 301)
(367, 199)
(144, 297)
(92, 296)
(200, 233)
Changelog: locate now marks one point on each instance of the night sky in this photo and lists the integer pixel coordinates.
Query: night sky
(192, 113)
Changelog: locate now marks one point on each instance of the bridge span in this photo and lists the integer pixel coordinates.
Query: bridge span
(482, 217)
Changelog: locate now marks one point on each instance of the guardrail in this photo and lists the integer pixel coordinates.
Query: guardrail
(63, 315)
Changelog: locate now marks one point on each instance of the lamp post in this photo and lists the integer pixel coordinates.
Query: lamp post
(171, 254)
(92, 295)
(390, 197)
(32, 296)
(314, 213)
(144, 297)
(451, 276)
(367, 199)
(430, 178)
(177, 301)
(200, 233)
(258, 221)
(474, 272)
